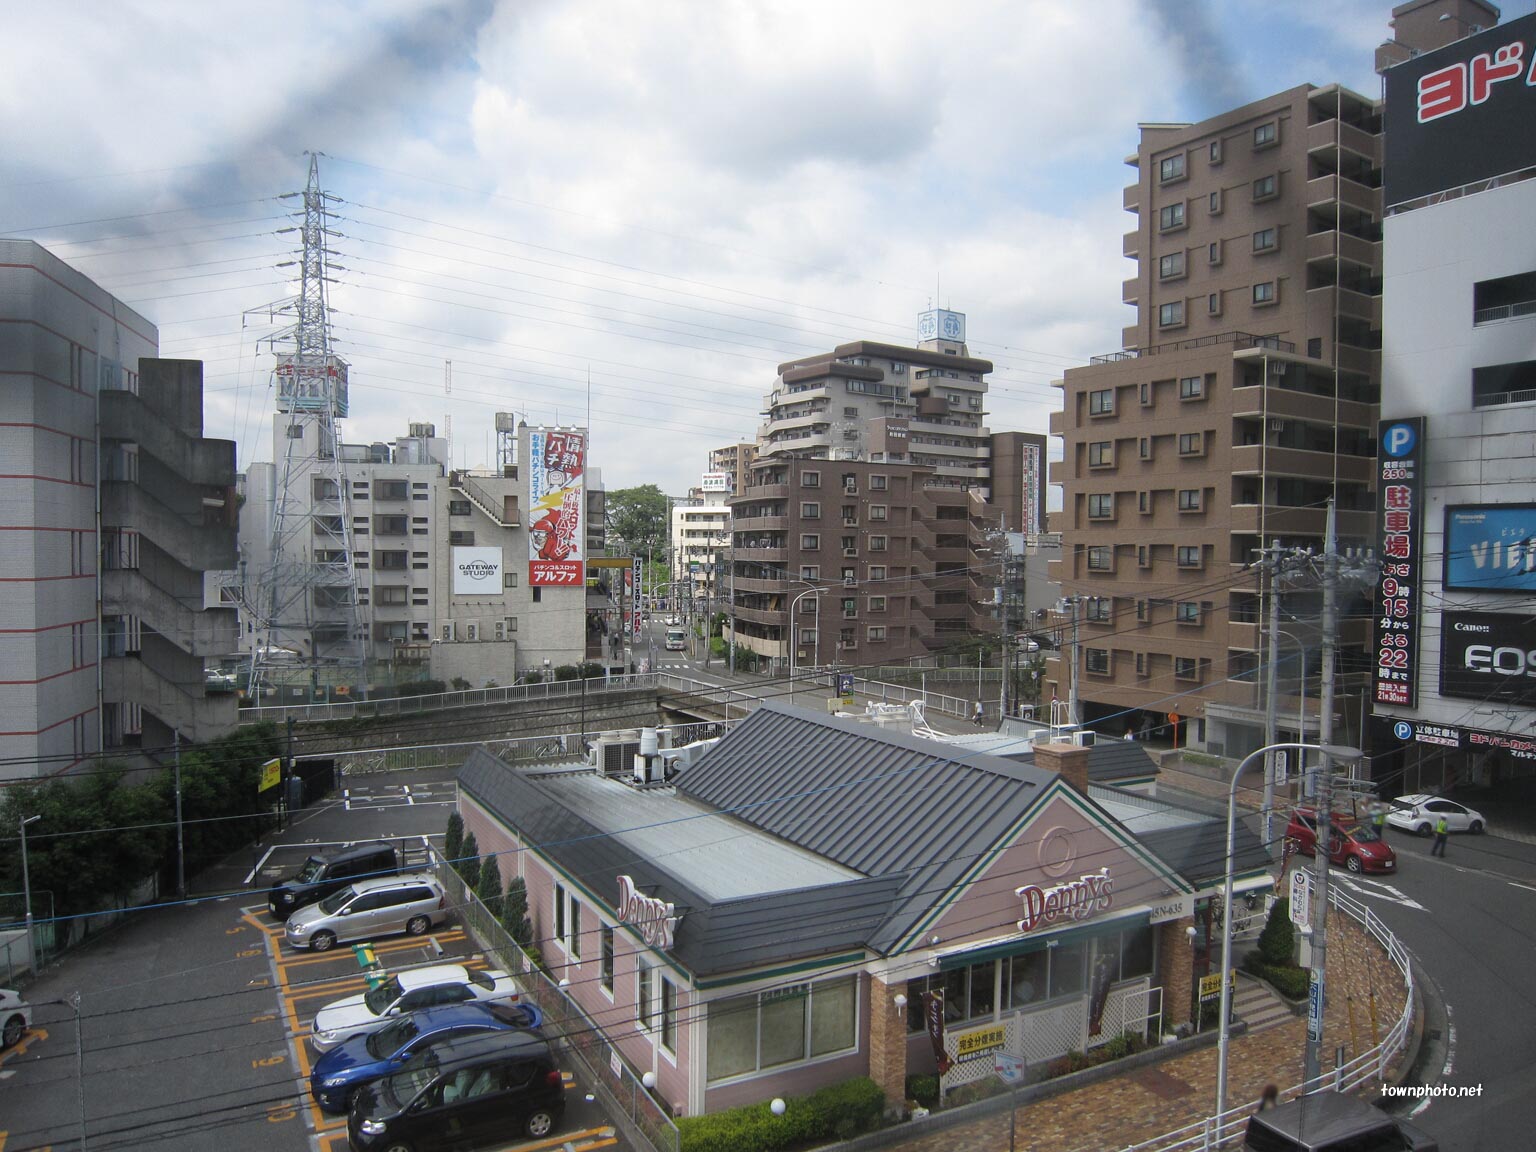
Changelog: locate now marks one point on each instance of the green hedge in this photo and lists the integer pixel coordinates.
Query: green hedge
(836, 1112)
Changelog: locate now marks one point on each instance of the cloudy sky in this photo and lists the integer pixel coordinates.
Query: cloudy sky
(673, 195)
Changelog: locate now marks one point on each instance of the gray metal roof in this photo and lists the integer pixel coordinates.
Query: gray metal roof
(1109, 758)
(1191, 841)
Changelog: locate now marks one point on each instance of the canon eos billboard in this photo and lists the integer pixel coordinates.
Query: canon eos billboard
(1462, 113)
(1488, 656)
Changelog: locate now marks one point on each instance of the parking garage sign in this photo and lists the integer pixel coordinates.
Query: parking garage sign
(1400, 515)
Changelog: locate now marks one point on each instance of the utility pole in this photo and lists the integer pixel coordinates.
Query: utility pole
(1272, 564)
(1072, 602)
(181, 858)
(1312, 1064)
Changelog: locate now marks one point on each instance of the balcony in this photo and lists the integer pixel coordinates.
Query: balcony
(124, 416)
(1324, 247)
(1324, 190)
(746, 525)
(1284, 521)
(774, 555)
(199, 717)
(1290, 404)
(1131, 245)
(768, 490)
(1130, 290)
(1254, 459)
(193, 544)
(769, 617)
(1328, 137)
(1130, 198)
(192, 628)
(1357, 305)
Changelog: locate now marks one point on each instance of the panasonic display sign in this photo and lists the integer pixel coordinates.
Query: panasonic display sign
(1488, 656)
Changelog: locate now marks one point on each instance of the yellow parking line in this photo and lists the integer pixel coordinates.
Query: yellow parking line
(29, 1037)
(404, 945)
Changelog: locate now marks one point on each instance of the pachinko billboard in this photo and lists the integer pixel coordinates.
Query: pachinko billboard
(557, 504)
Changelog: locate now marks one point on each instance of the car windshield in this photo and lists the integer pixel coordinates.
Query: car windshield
(1359, 833)
(392, 1037)
(406, 1084)
(483, 979)
(311, 871)
(333, 903)
(380, 998)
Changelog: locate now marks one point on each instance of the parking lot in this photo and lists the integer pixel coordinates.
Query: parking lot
(194, 1016)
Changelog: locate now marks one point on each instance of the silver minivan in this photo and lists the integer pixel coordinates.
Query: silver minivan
(379, 907)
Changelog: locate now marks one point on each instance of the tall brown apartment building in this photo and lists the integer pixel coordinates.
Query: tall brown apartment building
(1245, 396)
(733, 460)
(855, 562)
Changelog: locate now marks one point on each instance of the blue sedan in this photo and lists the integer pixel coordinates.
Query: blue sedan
(339, 1074)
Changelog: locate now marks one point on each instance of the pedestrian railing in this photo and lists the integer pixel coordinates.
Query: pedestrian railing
(1222, 1130)
(564, 1021)
(469, 698)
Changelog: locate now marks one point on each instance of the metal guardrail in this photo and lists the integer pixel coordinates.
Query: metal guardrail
(1215, 1131)
(1504, 312)
(1489, 399)
(469, 698)
(1236, 339)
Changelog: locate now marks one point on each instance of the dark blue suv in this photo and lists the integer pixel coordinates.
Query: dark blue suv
(405, 1043)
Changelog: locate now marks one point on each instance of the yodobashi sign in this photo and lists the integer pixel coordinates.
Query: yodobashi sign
(655, 920)
(476, 571)
(1453, 115)
(1075, 900)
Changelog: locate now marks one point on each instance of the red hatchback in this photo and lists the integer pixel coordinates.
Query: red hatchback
(1354, 844)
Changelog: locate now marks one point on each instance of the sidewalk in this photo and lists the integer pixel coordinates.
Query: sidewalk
(1162, 1097)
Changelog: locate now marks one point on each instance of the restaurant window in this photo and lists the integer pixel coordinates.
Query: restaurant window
(1026, 979)
(783, 1025)
(643, 980)
(605, 958)
(1067, 962)
(668, 1015)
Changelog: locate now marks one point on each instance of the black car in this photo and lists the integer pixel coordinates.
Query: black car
(329, 872)
(469, 1092)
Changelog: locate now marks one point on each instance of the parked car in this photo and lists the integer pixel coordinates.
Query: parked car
(409, 990)
(15, 1018)
(339, 1074)
(1418, 813)
(470, 1092)
(370, 908)
(328, 872)
(1353, 844)
(1329, 1122)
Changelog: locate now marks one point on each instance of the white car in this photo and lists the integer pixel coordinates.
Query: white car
(406, 991)
(15, 1018)
(1418, 813)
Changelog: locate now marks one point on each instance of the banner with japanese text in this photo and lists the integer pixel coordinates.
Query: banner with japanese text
(1400, 517)
(557, 504)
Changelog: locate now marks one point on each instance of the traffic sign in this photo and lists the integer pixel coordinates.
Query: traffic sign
(1301, 899)
(1315, 1008)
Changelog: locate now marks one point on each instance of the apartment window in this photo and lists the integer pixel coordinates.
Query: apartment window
(1171, 216)
(1187, 612)
(877, 633)
(1213, 253)
(461, 539)
(1101, 402)
(1215, 151)
(1264, 188)
(1099, 609)
(1191, 387)
(1096, 660)
(850, 543)
(1101, 506)
(810, 571)
(1101, 454)
(391, 596)
(1264, 292)
(1171, 168)
(1315, 348)
(538, 595)
(391, 490)
(1171, 266)
(1213, 304)
(295, 431)
(1189, 499)
(877, 511)
(508, 577)
(807, 635)
(1189, 555)
(1186, 668)
(1170, 315)
(850, 608)
(458, 508)
(810, 511)
(810, 479)
(1144, 392)
(877, 483)
(1266, 135)
(877, 571)
(810, 542)
(877, 543)
(1144, 447)
(390, 561)
(1191, 443)
(850, 411)
(1264, 240)
(1143, 556)
(605, 958)
(1141, 611)
(1141, 663)
(1215, 202)
(877, 603)
(1101, 558)
(1144, 502)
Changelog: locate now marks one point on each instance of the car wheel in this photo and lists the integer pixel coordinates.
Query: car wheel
(417, 925)
(541, 1123)
(322, 941)
(14, 1027)
(1424, 829)
(1353, 863)
(397, 1146)
(1476, 828)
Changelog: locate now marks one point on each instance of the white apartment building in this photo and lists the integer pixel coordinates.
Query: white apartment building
(701, 529)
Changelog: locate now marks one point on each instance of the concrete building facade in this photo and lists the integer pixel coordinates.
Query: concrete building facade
(1245, 397)
(115, 505)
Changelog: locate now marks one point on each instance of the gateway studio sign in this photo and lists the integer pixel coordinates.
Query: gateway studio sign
(477, 571)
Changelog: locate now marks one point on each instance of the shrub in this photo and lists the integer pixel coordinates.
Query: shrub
(1278, 940)
(459, 684)
(420, 688)
(488, 886)
(837, 1111)
(533, 677)
(567, 672)
(514, 911)
(923, 1089)
(468, 862)
(453, 839)
(591, 670)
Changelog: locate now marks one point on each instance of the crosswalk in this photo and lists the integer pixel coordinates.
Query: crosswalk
(1376, 890)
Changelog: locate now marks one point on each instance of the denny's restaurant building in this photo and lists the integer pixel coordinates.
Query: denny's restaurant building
(814, 898)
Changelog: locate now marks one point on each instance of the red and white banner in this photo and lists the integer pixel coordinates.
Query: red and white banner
(557, 464)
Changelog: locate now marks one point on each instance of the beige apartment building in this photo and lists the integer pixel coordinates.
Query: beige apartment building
(1244, 397)
(733, 460)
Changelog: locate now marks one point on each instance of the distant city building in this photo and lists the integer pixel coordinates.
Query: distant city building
(103, 634)
(733, 460)
(701, 528)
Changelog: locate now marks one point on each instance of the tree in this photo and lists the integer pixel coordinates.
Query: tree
(453, 839)
(637, 520)
(469, 862)
(488, 886)
(1278, 940)
(514, 911)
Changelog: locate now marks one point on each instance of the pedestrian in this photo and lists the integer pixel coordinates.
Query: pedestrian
(1379, 819)
(1130, 732)
(1442, 833)
(1269, 1098)
(976, 716)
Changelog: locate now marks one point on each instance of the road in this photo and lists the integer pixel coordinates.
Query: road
(1470, 922)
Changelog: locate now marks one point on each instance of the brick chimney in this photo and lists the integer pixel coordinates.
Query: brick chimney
(1069, 761)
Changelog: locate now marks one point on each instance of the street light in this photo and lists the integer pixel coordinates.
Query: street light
(794, 633)
(26, 886)
(1330, 752)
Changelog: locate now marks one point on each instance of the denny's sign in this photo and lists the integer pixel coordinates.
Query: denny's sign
(655, 920)
(1075, 900)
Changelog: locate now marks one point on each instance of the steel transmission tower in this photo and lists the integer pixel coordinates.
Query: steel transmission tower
(308, 620)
